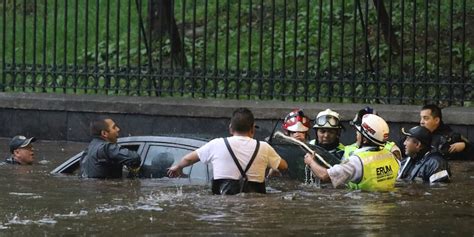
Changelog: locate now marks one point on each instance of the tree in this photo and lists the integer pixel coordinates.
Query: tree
(162, 22)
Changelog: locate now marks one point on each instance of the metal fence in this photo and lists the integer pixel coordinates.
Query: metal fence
(391, 52)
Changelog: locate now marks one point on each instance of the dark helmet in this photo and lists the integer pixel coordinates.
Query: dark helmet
(358, 117)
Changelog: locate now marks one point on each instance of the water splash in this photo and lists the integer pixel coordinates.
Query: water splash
(44, 162)
(72, 214)
(310, 179)
(46, 221)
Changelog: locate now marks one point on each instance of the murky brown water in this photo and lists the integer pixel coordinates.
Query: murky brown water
(35, 203)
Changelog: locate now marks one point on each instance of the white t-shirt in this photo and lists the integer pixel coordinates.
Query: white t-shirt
(216, 153)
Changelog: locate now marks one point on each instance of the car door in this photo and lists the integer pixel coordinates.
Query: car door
(159, 156)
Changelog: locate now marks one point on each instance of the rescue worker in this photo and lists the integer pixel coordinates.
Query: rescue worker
(104, 158)
(422, 163)
(451, 144)
(21, 149)
(349, 149)
(370, 167)
(327, 126)
(239, 162)
(297, 125)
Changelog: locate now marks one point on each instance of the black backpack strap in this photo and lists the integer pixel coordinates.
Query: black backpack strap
(242, 172)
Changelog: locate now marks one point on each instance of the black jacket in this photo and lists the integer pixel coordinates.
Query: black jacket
(11, 160)
(430, 167)
(103, 159)
(443, 137)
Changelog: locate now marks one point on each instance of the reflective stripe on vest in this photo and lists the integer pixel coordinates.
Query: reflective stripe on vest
(380, 169)
(349, 149)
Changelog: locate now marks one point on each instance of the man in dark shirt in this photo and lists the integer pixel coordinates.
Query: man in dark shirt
(422, 163)
(22, 152)
(452, 145)
(104, 158)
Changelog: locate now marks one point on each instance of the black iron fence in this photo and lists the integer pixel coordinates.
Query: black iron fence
(394, 52)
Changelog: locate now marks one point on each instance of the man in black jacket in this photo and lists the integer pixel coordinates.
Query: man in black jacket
(452, 145)
(422, 163)
(104, 158)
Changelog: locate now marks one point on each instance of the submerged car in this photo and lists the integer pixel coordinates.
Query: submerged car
(158, 153)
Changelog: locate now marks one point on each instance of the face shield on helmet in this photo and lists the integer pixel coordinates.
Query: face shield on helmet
(327, 119)
(374, 128)
(296, 121)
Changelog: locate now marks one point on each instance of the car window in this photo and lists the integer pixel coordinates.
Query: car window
(159, 158)
(133, 147)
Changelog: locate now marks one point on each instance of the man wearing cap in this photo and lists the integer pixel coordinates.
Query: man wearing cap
(104, 158)
(21, 151)
(422, 163)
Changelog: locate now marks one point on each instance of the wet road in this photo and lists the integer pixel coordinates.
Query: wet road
(35, 203)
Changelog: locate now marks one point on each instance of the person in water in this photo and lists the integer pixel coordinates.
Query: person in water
(370, 167)
(297, 125)
(104, 158)
(349, 149)
(444, 140)
(22, 152)
(328, 132)
(239, 162)
(422, 163)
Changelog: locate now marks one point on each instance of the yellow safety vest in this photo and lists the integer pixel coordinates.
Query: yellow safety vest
(380, 169)
(349, 149)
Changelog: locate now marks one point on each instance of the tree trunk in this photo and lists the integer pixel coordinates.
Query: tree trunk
(385, 21)
(162, 22)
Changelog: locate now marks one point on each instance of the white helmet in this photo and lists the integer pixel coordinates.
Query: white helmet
(374, 128)
(327, 119)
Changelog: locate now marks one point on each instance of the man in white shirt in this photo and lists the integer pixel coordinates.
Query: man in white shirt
(253, 157)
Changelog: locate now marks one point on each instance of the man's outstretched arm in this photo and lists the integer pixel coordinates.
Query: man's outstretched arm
(187, 160)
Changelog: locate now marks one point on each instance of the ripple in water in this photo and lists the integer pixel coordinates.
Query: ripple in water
(29, 195)
(72, 214)
(16, 220)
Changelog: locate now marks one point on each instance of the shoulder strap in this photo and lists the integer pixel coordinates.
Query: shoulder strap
(242, 172)
(253, 157)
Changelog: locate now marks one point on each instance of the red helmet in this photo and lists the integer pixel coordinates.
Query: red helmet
(296, 121)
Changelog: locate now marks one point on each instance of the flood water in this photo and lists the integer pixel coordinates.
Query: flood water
(35, 203)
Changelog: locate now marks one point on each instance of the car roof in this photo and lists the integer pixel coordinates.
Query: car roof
(174, 138)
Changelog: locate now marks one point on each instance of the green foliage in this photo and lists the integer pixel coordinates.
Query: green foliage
(289, 58)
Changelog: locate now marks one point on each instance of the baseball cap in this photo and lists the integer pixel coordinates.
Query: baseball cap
(422, 134)
(20, 141)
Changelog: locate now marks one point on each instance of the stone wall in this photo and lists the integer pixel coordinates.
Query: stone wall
(66, 117)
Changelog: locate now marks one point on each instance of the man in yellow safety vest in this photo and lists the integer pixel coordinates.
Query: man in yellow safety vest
(370, 167)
